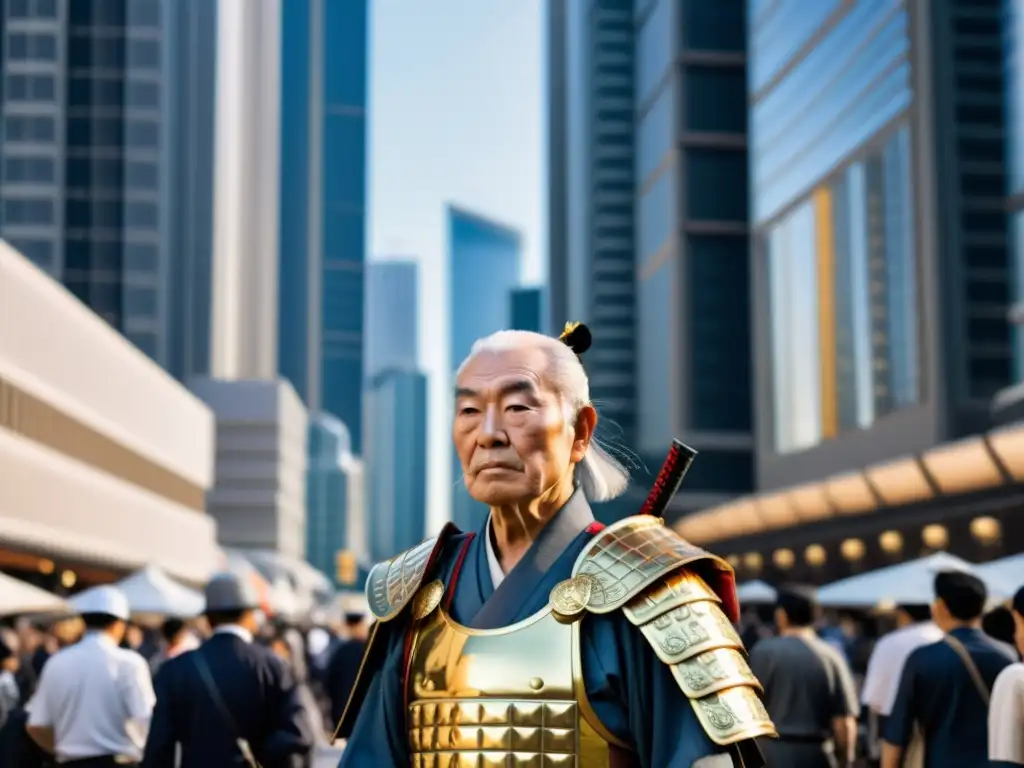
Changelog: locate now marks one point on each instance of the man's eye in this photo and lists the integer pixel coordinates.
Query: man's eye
(468, 411)
(517, 408)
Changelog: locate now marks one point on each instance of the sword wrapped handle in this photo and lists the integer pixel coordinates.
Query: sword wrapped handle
(677, 463)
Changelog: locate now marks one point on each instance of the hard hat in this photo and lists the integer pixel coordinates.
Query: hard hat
(227, 592)
(106, 600)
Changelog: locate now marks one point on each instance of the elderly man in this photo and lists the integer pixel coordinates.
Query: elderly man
(544, 638)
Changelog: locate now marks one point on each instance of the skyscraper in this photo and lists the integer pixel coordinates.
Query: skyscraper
(397, 462)
(245, 208)
(392, 316)
(484, 262)
(591, 144)
(106, 159)
(527, 309)
(331, 472)
(880, 264)
(322, 207)
(647, 128)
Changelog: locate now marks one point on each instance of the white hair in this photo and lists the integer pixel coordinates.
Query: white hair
(601, 476)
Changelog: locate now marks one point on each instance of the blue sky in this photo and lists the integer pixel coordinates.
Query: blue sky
(456, 114)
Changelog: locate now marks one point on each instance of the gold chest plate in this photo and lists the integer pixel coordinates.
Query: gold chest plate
(506, 697)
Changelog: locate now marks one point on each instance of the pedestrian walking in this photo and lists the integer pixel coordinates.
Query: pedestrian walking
(1006, 714)
(808, 689)
(94, 700)
(940, 716)
(231, 701)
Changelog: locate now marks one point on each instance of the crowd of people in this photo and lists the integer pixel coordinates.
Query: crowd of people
(98, 690)
(943, 688)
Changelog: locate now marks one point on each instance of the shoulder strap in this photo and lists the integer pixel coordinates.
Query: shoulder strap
(972, 669)
(218, 701)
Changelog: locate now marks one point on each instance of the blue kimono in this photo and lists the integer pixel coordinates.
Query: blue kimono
(631, 690)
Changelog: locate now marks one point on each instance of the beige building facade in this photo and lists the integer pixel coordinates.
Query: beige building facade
(105, 459)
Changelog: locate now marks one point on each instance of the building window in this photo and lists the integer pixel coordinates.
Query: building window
(793, 278)
(29, 128)
(140, 302)
(716, 184)
(715, 99)
(39, 252)
(719, 330)
(843, 276)
(714, 26)
(34, 170)
(28, 211)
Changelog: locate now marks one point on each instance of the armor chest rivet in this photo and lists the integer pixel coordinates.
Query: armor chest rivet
(536, 683)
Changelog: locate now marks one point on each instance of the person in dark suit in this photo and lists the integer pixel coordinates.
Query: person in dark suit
(231, 701)
(344, 665)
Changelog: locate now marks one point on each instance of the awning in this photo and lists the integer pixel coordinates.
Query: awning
(152, 592)
(964, 466)
(17, 597)
(910, 583)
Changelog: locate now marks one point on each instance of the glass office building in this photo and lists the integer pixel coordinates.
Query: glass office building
(649, 236)
(392, 317)
(106, 162)
(324, 60)
(833, 207)
(879, 250)
(397, 456)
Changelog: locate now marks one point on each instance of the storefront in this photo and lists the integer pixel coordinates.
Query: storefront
(105, 460)
(964, 498)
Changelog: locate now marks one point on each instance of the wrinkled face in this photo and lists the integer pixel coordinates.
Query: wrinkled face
(510, 431)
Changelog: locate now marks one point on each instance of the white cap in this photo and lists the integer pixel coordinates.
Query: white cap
(106, 600)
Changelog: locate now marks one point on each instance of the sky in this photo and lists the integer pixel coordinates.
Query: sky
(456, 114)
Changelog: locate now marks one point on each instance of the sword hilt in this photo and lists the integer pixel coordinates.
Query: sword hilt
(677, 463)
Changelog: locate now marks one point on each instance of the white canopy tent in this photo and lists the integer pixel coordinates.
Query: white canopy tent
(17, 597)
(906, 583)
(1008, 571)
(756, 592)
(152, 592)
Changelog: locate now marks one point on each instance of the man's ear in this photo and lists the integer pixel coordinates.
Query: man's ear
(586, 422)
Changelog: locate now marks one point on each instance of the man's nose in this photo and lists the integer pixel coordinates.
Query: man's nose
(492, 431)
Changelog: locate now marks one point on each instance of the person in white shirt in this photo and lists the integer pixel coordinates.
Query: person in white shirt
(95, 699)
(914, 628)
(1006, 710)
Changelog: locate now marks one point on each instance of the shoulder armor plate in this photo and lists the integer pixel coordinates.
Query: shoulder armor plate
(640, 566)
(626, 558)
(393, 583)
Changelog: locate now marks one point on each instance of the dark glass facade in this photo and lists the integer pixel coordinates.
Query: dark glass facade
(397, 463)
(323, 201)
(327, 492)
(693, 367)
(526, 309)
